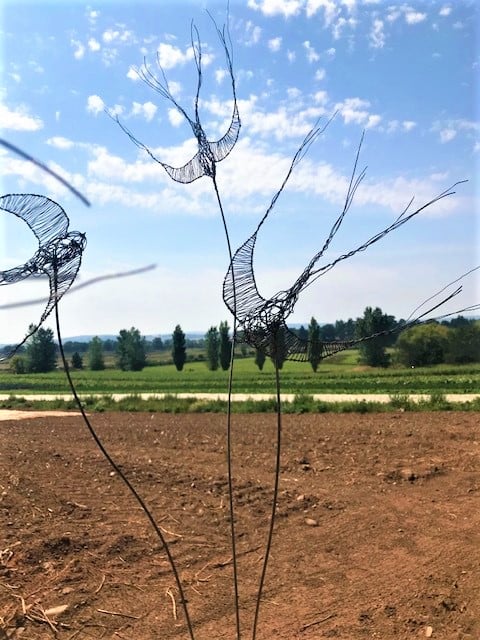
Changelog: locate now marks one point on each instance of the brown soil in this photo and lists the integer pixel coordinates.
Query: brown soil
(378, 532)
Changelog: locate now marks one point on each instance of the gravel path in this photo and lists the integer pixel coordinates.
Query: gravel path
(242, 397)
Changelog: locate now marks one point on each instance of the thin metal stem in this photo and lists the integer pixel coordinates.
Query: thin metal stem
(274, 500)
(229, 432)
(124, 479)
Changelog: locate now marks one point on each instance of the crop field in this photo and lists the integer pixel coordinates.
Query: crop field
(338, 375)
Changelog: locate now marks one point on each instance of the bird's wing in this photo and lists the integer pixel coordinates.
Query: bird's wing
(45, 217)
(190, 171)
(221, 148)
(240, 292)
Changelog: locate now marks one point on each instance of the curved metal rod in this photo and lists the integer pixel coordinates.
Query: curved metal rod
(43, 166)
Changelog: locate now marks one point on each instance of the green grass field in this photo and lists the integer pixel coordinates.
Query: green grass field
(340, 374)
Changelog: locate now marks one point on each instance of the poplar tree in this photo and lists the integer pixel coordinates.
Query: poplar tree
(225, 345)
(179, 351)
(314, 344)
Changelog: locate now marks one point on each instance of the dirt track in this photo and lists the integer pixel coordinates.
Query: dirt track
(396, 553)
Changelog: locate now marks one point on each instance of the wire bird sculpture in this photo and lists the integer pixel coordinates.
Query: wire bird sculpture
(263, 321)
(59, 257)
(209, 153)
(59, 253)
(203, 164)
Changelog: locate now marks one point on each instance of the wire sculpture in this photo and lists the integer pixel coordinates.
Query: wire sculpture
(203, 164)
(263, 322)
(59, 253)
(209, 153)
(59, 257)
(261, 319)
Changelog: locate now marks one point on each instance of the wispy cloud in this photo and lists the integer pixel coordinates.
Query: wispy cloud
(450, 129)
(356, 110)
(414, 17)
(252, 34)
(330, 10)
(377, 34)
(60, 142)
(132, 73)
(93, 44)
(95, 105)
(146, 110)
(118, 35)
(79, 49)
(274, 44)
(312, 55)
(19, 119)
(287, 8)
(169, 56)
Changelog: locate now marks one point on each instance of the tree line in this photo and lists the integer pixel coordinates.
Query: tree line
(456, 341)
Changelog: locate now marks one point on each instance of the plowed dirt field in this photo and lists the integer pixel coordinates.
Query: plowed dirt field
(378, 530)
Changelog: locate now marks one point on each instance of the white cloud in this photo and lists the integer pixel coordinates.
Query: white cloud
(132, 73)
(312, 55)
(445, 11)
(79, 49)
(340, 25)
(15, 76)
(92, 16)
(392, 126)
(393, 14)
(93, 44)
(275, 44)
(19, 119)
(95, 104)
(320, 74)
(287, 8)
(283, 123)
(408, 125)
(330, 10)
(175, 117)
(373, 121)
(220, 75)
(175, 87)
(293, 93)
(170, 56)
(414, 17)
(36, 68)
(120, 35)
(291, 55)
(146, 110)
(321, 97)
(447, 134)
(116, 110)
(252, 33)
(377, 34)
(331, 52)
(476, 147)
(355, 110)
(60, 143)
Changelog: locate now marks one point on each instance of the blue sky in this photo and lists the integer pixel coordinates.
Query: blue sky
(407, 73)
